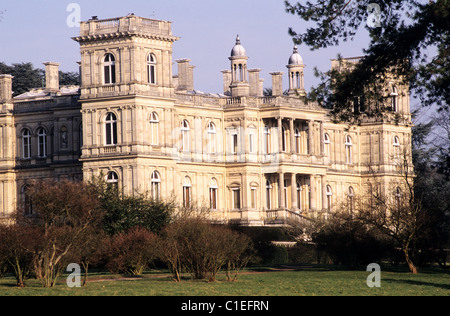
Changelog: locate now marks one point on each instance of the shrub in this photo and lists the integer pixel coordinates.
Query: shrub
(124, 212)
(17, 249)
(202, 249)
(64, 213)
(131, 252)
(350, 242)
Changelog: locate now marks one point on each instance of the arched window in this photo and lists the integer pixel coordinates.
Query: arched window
(396, 145)
(111, 129)
(109, 66)
(26, 144)
(348, 149)
(185, 136)
(112, 179)
(154, 126)
(42, 143)
(151, 69)
(268, 195)
(351, 200)
(213, 194)
(211, 138)
(329, 196)
(326, 144)
(187, 187)
(156, 185)
(394, 99)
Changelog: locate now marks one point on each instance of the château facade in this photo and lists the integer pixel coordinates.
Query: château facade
(249, 158)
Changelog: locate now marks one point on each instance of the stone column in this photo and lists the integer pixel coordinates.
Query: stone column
(312, 179)
(294, 191)
(324, 192)
(282, 204)
(322, 144)
(280, 134)
(291, 132)
(310, 137)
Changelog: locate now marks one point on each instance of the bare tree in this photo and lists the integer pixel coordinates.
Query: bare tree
(396, 212)
(64, 212)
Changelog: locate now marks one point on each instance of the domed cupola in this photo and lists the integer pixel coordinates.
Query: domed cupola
(239, 74)
(238, 50)
(295, 58)
(295, 67)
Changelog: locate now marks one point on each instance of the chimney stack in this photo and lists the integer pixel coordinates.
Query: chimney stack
(277, 83)
(256, 84)
(226, 81)
(6, 89)
(51, 77)
(185, 75)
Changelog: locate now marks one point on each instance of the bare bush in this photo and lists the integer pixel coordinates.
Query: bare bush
(17, 248)
(202, 249)
(131, 252)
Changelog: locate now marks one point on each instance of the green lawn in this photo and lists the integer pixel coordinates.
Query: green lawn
(307, 281)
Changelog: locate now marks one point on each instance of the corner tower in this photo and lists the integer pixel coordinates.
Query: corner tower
(127, 55)
(126, 84)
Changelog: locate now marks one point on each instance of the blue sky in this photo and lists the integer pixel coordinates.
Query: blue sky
(36, 31)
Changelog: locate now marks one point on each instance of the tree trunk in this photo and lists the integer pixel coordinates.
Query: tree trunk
(85, 267)
(411, 266)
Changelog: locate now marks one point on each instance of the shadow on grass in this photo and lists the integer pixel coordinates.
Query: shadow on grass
(419, 283)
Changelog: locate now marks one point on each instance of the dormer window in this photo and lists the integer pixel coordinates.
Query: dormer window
(109, 65)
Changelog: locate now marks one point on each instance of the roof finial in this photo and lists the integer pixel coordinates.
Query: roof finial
(238, 40)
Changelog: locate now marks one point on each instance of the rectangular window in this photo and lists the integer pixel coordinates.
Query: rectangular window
(235, 143)
(114, 135)
(253, 197)
(186, 196)
(107, 75)
(251, 141)
(108, 135)
(213, 198)
(41, 148)
(286, 200)
(113, 74)
(26, 148)
(236, 198)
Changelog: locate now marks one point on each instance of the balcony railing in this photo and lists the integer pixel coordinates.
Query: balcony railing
(130, 23)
